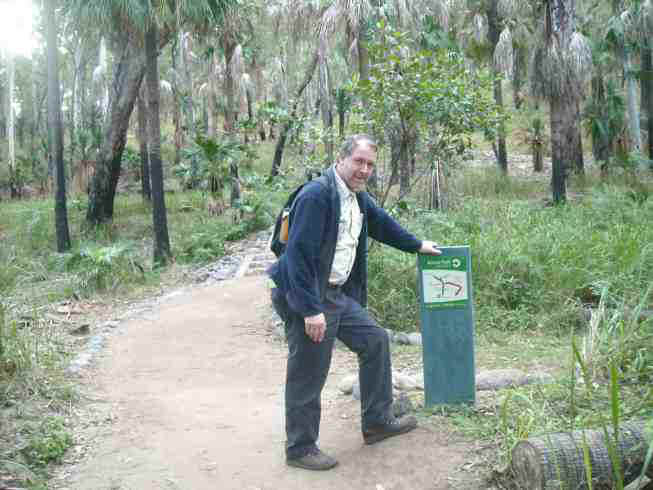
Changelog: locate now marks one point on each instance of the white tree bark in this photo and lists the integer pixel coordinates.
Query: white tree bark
(11, 68)
(635, 134)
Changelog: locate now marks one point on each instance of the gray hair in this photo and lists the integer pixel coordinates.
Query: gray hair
(352, 142)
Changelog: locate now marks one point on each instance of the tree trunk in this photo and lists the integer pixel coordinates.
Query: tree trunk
(159, 218)
(212, 126)
(579, 161)
(563, 144)
(11, 156)
(326, 110)
(494, 33)
(128, 75)
(519, 54)
(647, 91)
(634, 132)
(363, 55)
(257, 72)
(56, 131)
(600, 144)
(278, 150)
(230, 110)
(146, 189)
(558, 460)
(176, 109)
(404, 166)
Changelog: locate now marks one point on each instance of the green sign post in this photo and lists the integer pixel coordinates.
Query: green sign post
(447, 324)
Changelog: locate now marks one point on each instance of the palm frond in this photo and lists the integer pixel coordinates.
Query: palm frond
(508, 8)
(329, 20)
(479, 24)
(647, 16)
(503, 54)
(580, 56)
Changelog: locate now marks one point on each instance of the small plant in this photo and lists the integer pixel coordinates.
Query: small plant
(102, 268)
(48, 443)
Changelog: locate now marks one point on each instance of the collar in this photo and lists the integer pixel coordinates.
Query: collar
(343, 191)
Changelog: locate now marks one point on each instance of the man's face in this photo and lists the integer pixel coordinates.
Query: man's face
(357, 168)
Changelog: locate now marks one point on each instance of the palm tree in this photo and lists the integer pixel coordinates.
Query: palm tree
(622, 35)
(560, 65)
(146, 189)
(161, 240)
(127, 20)
(11, 123)
(56, 129)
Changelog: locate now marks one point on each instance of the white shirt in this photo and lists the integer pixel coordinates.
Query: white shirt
(349, 230)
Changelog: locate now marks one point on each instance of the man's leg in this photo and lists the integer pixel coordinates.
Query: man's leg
(360, 332)
(307, 369)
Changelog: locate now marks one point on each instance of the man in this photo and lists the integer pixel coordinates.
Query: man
(321, 291)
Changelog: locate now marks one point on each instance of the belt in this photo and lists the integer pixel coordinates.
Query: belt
(334, 286)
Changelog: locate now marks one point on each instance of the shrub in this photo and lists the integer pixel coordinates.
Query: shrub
(47, 443)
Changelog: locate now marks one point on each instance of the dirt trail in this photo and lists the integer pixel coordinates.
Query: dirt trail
(194, 396)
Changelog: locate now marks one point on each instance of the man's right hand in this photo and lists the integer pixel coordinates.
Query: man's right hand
(315, 327)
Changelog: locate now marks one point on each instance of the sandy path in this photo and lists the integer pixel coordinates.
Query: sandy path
(194, 394)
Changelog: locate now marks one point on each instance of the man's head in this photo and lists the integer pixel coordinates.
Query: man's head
(356, 161)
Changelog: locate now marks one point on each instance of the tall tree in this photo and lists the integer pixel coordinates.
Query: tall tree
(160, 221)
(560, 65)
(126, 21)
(56, 128)
(495, 21)
(11, 123)
(146, 189)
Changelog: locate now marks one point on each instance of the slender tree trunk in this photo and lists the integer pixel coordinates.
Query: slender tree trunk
(634, 130)
(188, 105)
(326, 110)
(146, 189)
(211, 127)
(259, 90)
(230, 112)
(56, 131)
(249, 96)
(176, 109)
(159, 217)
(647, 91)
(11, 75)
(579, 160)
(363, 56)
(563, 144)
(127, 80)
(34, 128)
(494, 33)
(404, 165)
(519, 54)
(278, 150)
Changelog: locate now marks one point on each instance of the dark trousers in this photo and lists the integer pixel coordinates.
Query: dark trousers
(308, 366)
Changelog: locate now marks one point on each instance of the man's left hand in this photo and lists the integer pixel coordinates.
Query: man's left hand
(429, 248)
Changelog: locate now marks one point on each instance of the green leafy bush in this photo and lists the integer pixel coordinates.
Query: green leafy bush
(47, 443)
(100, 268)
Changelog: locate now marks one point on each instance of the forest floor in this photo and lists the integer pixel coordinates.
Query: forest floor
(188, 394)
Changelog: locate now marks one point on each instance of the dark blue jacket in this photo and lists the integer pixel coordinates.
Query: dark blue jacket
(303, 271)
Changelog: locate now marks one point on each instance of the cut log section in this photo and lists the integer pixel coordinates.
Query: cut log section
(556, 461)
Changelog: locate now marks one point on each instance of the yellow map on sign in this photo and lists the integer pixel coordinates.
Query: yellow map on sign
(441, 286)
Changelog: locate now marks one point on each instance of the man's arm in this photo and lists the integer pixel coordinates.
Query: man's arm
(384, 228)
(303, 251)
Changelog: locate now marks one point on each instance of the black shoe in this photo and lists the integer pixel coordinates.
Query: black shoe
(393, 427)
(313, 460)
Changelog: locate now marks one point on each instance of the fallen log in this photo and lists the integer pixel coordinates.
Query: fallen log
(557, 461)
